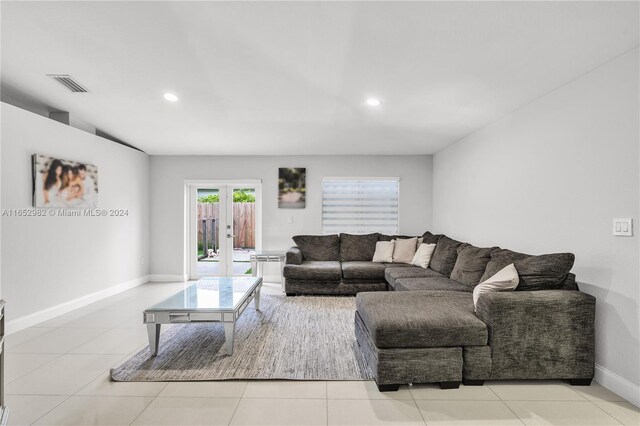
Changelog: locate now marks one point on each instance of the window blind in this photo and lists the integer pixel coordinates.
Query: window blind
(360, 205)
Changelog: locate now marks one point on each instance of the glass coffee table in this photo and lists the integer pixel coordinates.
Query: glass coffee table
(215, 299)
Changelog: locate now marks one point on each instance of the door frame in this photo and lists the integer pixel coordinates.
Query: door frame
(191, 231)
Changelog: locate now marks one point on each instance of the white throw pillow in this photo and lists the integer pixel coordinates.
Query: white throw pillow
(404, 250)
(506, 279)
(384, 251)
(423, 255)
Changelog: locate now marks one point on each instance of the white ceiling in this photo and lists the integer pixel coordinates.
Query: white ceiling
(292, 78)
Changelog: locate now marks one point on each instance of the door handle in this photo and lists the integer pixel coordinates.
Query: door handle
(231, 236)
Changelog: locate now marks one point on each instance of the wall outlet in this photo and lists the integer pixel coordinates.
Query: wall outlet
(623, 227)
(290, 220)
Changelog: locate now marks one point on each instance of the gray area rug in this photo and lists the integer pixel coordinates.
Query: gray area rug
(291, 338)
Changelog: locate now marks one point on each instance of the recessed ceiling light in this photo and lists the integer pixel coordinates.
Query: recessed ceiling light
(373, 102)
(170, 97)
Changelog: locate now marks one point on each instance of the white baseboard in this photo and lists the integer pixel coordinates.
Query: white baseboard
(30, 320)
(618, 384)
(166, 278)
(169, 278)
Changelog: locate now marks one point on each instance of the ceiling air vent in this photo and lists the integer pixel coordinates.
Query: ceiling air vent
(68, 82)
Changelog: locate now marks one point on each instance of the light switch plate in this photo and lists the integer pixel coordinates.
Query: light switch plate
(623, 227)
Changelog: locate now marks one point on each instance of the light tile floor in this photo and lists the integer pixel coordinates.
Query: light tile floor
(57, 373)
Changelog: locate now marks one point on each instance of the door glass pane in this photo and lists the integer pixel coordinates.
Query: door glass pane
(208, 208)
(244, 230)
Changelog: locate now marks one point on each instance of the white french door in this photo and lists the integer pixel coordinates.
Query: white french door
(223, 226)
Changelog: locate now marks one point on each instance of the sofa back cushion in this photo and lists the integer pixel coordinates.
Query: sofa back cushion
(506, 279)
(445, 255)
(429, 238)
(319, 247)
(542, 272)
(384, 237)
(354, 248)
(384, 251)
(569, 283)
(404, 250)
(423, 255)
(471, 264)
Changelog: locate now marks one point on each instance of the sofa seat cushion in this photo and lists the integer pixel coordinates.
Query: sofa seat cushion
(318, 247)
(392, 274)
(332, 288)
(397, 265)
(421, 319)
(430, 284)
(357, 247)
(363, 270)
(314, 270)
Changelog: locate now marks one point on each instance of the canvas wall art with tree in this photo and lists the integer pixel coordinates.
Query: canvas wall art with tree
(292, 187)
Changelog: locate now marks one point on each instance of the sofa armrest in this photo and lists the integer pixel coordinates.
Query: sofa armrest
(548, 334)
(294, 256)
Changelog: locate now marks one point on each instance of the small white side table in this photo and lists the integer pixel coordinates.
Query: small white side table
(265, 257)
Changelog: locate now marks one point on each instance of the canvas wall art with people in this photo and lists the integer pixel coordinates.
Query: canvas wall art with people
(64, 183)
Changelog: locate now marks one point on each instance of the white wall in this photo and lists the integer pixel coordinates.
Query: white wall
(168, 174)
(48, 261)
(551, 177)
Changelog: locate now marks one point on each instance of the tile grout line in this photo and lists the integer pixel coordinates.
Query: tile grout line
(235, 409)
(548, 400)
(604, 411)
(68, 352)
(326, 399)
(495, 393)
(207, 397)
(415, 402)
(512, 412)
(53, 408)
(91, 381)
(26, 341)
(58, 355)
(142, 411)
(42, 366)
(505, 403)
(31, 371)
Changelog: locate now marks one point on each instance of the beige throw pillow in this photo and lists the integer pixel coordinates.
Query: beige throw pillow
(404, 250)
(506, 279)
(423, 255)
(384, 251)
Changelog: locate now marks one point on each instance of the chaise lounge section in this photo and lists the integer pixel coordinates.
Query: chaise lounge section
(417, 337)
(545, 334)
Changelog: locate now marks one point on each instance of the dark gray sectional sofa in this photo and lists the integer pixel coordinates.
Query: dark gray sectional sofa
(426, 329)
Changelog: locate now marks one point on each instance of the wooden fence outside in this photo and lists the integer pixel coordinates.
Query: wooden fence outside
(244, 219)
